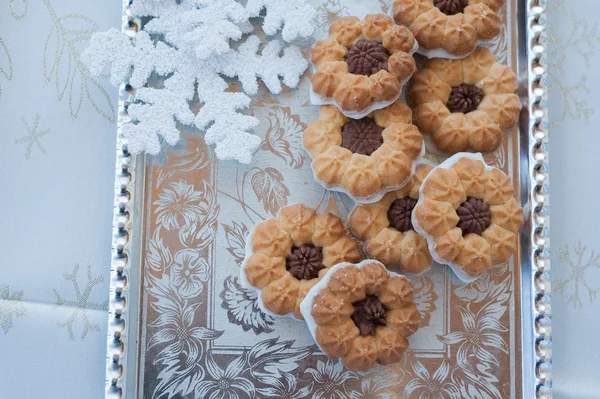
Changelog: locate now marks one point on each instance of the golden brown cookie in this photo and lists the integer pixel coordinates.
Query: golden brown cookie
(361, 313)
(449, 28)
(467, 213)
(465, 104)
(386, 229)
(366, 157)
(288, 255)
(362, 63)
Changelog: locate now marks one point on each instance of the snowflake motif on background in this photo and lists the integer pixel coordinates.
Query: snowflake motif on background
(32, 137)
(580, 42)
(196, 55)
(81, 304)
(10, 306)
(579, 266)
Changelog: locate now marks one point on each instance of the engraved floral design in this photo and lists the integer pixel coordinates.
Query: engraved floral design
(201, 232)
(427, 386)
(242, 308)
(10, 307)
(283, 388)
(269, 189)
(225, 384)
(193, 212)
(424, 297)
(479, 336)
(331, 380)
(580, 261)
(190, 272)
(178, 206)
(179, 340)
(158, 255)
(236, 234)
(284, 136)
(189, 154)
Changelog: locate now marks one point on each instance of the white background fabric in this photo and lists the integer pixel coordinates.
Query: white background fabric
(56, 205)
(56, 201)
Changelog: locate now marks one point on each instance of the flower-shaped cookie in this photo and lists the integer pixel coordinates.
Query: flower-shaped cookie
(363, 64)
(387, 231)
(465, 103)
(468, 214)
(288, 255)
(367, 157)
(361, 313)
(449, 28)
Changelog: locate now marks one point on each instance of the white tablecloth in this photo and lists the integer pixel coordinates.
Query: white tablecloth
(57, 137)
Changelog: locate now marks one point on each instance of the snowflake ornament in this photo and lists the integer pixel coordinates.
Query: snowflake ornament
(195, 57)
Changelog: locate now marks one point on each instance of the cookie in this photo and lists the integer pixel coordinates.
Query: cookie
(386, 229)
(287, 255)
(469, 215)
(361, 313)
(449, 28)
(363, 64)
(465, 104)
(364, 158)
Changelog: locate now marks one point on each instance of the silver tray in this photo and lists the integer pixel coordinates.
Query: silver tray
(134, 366)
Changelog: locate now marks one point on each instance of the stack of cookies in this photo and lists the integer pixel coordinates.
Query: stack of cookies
(368, 144)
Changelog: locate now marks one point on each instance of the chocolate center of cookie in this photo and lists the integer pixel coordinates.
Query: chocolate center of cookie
(400, 213)
(451, 7)
(474, 216)
(305, 261)
(367, 57)
(362, 136)
(464, 98)
(368, 314)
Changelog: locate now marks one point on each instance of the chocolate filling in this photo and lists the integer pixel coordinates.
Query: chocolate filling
(474, 216)
(400, 213)
(451, 7)
(464, 98)
(368, 314)
(305, 261)
(367, 57)
(362, 136)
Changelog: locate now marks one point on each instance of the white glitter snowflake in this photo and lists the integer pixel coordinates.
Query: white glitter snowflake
(196, 53)
(579, 265)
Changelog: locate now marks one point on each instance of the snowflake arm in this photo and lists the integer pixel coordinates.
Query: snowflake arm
(295, 17)
(118, 50)
(156, 116)
(225, 126)
(248, 66)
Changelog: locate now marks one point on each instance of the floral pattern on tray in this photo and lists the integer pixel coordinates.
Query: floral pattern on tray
(204, 334)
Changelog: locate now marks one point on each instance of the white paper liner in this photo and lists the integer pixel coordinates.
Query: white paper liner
(440, 52)
(447, 164)
(317, 99)
(373, 197)
(308, 302)
(421, 161)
